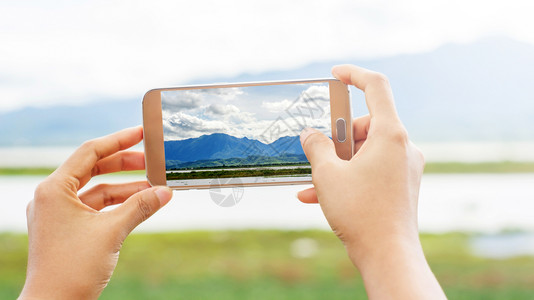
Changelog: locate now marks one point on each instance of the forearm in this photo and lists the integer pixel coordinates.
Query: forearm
(396, 269)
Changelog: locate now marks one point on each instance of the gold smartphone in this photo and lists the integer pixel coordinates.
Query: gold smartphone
(242, 134)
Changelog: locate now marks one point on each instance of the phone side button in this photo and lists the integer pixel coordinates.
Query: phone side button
(340, 130)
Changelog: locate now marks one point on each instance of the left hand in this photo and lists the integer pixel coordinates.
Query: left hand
(73, 245)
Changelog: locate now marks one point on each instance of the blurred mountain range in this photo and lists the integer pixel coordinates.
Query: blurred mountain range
(482, 91)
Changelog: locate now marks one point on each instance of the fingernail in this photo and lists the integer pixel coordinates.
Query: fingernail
(305, 133)
(164, 195)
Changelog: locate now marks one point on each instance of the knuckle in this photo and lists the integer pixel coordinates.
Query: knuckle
(29, 207)
(419, 156)
(378, 79)
(143, 209)
(41, 191)
(315, 141)
(310, 140)
(95, 170)
(398, 135)
(90, 144)
(102, 187)
(103, 191)
(123, 160)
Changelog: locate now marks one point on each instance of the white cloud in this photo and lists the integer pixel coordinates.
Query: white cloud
(187, 99)
(313, 103)
(316, 93)
(74, 52)
(276, 106)
(242, 117)
(221, 109)
(310, 109)
(182, 125)
(229, 113)
(316, 96)
(226, 94)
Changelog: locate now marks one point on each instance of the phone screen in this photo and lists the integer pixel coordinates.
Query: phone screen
(249, 132)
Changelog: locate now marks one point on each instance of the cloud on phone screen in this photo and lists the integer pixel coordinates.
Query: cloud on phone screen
(255, 112)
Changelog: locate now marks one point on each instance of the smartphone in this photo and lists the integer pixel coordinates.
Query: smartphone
(242, 134)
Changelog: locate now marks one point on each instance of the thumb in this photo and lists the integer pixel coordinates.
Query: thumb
(141, 206)
(308, 196)
(317, 146)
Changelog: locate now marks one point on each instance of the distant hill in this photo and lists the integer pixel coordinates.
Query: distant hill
(482, 91)
(222, 149)
(67, 125)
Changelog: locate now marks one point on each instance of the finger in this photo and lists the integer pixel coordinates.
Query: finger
(360, 127)
(141, 206)
(104, 195)
(378, 94)
(317, 146)
(308, 196)
(79, 165)
(120, 161)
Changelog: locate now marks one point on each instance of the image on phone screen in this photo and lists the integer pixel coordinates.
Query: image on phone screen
(241, 132)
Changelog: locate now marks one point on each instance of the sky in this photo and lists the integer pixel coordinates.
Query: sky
(264, 113)
(73, 52)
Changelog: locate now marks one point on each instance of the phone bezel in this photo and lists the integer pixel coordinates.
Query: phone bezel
(153, 129)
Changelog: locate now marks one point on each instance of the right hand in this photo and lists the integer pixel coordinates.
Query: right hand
(370, 201)
(375, 193)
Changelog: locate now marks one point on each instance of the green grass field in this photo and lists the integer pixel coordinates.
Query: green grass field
(260, 265)
(431, 167)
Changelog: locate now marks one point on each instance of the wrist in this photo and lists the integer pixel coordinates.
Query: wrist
(51, 288)
(395, 268)
(366, 250)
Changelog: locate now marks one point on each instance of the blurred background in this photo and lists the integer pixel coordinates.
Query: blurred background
(462, 73)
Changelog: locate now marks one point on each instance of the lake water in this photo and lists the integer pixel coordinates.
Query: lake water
(502, 246)
(449, 151)
(485, 203)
